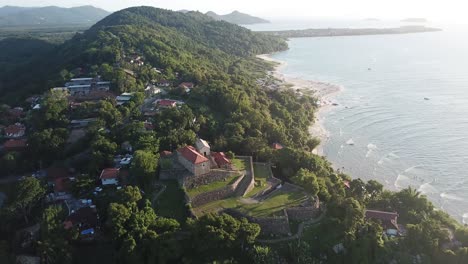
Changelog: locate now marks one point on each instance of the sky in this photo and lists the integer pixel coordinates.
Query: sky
(438, 10)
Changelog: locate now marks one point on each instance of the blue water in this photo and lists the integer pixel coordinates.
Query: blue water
(401, 139)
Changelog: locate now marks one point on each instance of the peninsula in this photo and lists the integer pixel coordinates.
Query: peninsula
(334, 32)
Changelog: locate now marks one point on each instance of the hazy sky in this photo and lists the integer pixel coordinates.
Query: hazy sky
(433, 9)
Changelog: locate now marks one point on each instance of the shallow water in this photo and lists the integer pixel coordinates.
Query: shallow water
(404, 106)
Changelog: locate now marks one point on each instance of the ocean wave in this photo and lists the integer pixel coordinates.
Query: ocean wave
(370, 147)
(427, 188)
(450, 197)
(402, 181)
(465, 218)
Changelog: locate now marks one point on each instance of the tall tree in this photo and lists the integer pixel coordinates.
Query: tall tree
(27, 194)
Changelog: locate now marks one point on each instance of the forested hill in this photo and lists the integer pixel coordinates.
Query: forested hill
(193, 44)
(50, 16)
(237, 17)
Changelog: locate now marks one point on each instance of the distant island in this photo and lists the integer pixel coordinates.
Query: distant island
(414, 20)
(237, 17)
(13, 16)
(372, 19)
(333, 32)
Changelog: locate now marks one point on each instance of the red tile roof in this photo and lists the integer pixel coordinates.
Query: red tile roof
(220, 158)
(277, 146)
(14, 129)
(13, 144)
(111, 173)
(388, 219)
(167, 103)
(165, 154)
(187, 85)
(192, 155)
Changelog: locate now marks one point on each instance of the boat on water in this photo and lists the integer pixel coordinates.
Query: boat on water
(350, 142)
(427, 99)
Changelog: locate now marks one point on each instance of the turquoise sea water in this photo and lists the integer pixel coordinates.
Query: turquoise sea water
(404, 104)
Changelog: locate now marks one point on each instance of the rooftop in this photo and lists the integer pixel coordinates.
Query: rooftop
(388, 219)
(15, 144)
(110, 173)
(192, 155)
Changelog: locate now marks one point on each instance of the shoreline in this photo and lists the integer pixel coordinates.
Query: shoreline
(323, 91)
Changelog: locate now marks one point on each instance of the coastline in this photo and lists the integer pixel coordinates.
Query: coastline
(323, 91)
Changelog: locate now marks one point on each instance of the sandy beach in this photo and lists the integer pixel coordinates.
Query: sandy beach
(321, 90)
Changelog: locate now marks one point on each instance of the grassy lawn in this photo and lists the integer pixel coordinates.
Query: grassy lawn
(262, 173)
(267, 208)
(275, 204)
(239, 164)
(212, 186)
(171, 202)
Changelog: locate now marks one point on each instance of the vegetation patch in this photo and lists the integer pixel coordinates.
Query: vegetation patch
(262, 173)
(212, 186)
(171, 202)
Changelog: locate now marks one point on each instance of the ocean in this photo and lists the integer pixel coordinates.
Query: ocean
(402, 117)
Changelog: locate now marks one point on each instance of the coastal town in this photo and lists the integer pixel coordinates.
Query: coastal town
(157, 136)
(212, 182)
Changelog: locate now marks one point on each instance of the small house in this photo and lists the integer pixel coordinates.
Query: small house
(166, 103)
(276, 146)
(86, 220)
(15, 131)
(388, 220)
(221, 160)
(193, 161)
(110, 176)
(15, 145)
(187, 86)
(163, 83)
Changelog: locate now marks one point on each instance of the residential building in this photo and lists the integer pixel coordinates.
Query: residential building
(163, 83)
(124, 98)
(15, 131)
(193, 161)
(166, 103)
(188, 86)
(221, 160)
(15, 145)
(83, 86)
(86, 220)
(110, 176)
(203, 147)
(388, 220)
(276, 146)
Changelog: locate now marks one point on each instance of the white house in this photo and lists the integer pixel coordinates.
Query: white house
(203, 147)
(110, 176)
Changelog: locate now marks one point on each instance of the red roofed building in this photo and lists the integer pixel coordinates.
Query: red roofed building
(388, 220)
(167, 103)
(187, 86)
(193, 161)
(15, 131)
(110, 176)
(221, 160)
(165, 154)
(15, 145)
(277, 146)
